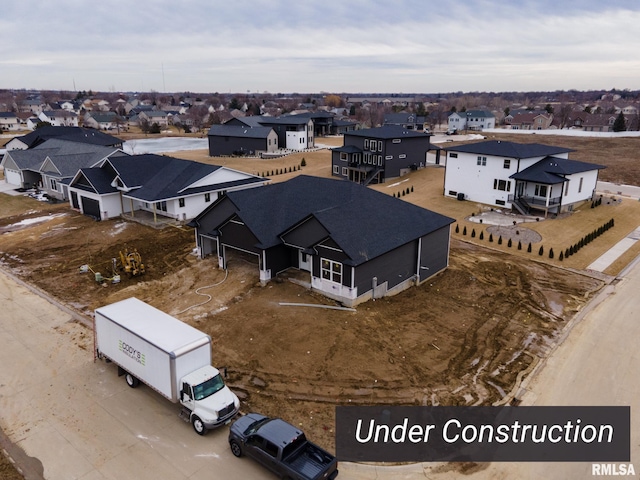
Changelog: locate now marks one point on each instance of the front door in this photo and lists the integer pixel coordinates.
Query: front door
(304, 261)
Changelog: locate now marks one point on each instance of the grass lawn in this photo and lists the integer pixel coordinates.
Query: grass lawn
(557, 233)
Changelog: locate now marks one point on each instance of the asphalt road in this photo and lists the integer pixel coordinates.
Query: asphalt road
(76, 419)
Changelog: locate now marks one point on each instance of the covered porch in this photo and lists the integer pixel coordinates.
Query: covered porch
(530, 197)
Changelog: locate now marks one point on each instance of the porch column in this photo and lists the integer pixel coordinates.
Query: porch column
(131, 205)
(155, 217)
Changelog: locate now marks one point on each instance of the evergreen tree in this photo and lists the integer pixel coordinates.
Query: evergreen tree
(619, 125)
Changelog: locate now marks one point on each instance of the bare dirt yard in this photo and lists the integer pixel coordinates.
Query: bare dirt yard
(464, 337)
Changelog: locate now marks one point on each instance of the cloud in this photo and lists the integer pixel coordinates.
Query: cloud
(360, 45)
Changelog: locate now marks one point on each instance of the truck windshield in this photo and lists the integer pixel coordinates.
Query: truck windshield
(208, 388)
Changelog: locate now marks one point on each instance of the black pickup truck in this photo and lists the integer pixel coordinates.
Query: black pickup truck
(281, 447)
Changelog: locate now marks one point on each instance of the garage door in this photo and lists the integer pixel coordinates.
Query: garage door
(13, 177)
(91, 207)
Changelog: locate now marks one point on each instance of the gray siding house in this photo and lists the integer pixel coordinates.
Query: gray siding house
(355, 243)
(241, 140)
(376, 154)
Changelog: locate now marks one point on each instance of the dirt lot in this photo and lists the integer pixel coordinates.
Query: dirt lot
(462, 337)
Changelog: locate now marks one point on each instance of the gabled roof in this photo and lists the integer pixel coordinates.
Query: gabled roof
(72, 134)
(477, 113)
(499, 148)
(153, 178)
(551, 170)
(98, 178)
(65, 158)
(403, 117)
(27, 159)
(347, 149)
(387, 132)
(363, 222)
(241, 132)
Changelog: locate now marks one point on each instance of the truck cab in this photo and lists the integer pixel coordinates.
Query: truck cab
(281, 448)
(206, 401)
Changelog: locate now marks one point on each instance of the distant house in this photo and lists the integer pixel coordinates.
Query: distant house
(232, 140)
(326, 123)
(294, 132)
(100, 120)
(525, 177)
(374, 155)
(529, 121)
(406, 120)
(471, 120)
(154, 116)
(599, 122)
(59, 118)
(73, 134)
(9, 121)
(354, 243)
(164, 187)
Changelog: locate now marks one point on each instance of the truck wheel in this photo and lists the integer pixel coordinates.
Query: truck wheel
(132, 381)
(198, 425)
(235, 448)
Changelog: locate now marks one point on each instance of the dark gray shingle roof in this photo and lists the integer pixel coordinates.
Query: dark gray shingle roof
(363, 222)
(387, 132)
(500, 148)
(552, 170)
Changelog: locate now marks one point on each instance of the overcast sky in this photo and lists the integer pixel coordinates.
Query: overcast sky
(389, 46)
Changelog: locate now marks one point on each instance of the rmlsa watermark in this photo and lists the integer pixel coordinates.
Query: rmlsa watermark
(612, 469)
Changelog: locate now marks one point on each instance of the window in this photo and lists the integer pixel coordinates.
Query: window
(580, 185)
(343, 156)
(207, 197)
(389, 157)
(379, 145)
(453, 155)
(366, 144)
(336, 169)
(482, 161)
(566, 189)
(330, 270)
(504, 185)
(54, 184)
(402, 155)
(396, 140)
(379, 160)
(161, 206)
(270, 448)
(507, 163)
(344, 171)
(541, 191)
(181, 202)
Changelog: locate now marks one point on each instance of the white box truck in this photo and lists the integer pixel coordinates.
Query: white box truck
(171, 357)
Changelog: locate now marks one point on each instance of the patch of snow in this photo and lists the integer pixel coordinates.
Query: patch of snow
(34, 220)
(118, 228)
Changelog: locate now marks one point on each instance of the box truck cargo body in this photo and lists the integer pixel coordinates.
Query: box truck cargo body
(168, 355)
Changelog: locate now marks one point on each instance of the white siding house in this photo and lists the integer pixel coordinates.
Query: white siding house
(471, 120)
(522, 176)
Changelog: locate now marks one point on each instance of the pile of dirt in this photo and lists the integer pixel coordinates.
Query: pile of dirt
(460, 338)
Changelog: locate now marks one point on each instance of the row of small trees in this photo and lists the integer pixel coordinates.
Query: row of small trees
(281, 171)
(404, 192)
(589, 237)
